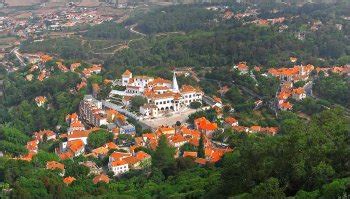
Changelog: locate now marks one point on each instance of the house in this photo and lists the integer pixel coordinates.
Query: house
(241, 129)
(69, 180)
(53, 165)
(76, 126)
(144, 158)
(50, 135)
(205, 126)
(298, 94)
(165, 130)
(79, 135)
(32, 146)
(118, 167)
(255, 129)
(74, 66)
(242, 67)
(285, 106)
(190, 154)
(215, 154)
(45, 58)
(200, 161)
(149, 110)
(102, 151)
(62, 67)
(270, 130)
(70, 118)
(94, 169)
(71, 149)
(40, 101)
(177, 140)
(231, 121)
(118, 156)
(101, 178)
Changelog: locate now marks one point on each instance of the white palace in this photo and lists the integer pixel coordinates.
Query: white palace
(163, 96)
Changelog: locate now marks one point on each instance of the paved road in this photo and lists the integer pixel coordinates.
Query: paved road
(131, 28)
(19, 56)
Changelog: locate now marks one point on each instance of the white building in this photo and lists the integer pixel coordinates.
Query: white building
(162, 95)
(91, 111)
(118, 167)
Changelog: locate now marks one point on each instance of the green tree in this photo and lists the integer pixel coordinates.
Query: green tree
(98, 138)
(137, 102)
(268, 189)
(163, 157)
(201, 153)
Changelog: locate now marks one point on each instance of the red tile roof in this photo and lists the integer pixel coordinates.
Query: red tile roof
(68, 180)
(52, 165)
(204, 124)
(101, 178)
(190, 154)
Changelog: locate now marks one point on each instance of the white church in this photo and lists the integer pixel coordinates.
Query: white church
(163, 96)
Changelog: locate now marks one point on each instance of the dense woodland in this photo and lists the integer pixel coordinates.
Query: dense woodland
(205, 39)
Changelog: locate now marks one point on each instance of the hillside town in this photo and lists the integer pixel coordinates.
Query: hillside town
(174, 99)
(162, 97)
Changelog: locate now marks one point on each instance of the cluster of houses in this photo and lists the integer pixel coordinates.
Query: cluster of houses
(39, 62)
(99, 176)
(234, 124)
(289, 76)
(163, 96)
(51, 20)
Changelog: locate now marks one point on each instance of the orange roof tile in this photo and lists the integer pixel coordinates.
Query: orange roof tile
(131, 160)
(79, 134)
(142, 155)
(299, 91)
(286, 105)
(255, 128)
(201, 161)
(203, 124)
(119, 155)
(66, 155)
(178, 138)
(52, 165)
(118, 163)
(230, 120)
(68, 180)
(190, 154)
(75, 145)
(101, 178)
(111, 145)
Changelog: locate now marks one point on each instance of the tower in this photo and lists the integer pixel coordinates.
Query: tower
(175, 86)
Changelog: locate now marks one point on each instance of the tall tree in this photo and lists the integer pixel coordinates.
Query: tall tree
(201, 152)
(164, 154)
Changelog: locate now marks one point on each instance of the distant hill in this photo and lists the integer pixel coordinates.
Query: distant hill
(19, 3)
